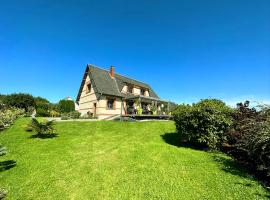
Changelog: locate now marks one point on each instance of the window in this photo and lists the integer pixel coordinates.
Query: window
(143, 92)
(110, 104)
(130, 89)
(88, 87)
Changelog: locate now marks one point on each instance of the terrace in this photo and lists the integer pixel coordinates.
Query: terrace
(145, 107)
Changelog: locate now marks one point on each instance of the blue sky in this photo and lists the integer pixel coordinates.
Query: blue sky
(186, 49)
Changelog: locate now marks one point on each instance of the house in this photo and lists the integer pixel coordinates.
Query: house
(105, 94)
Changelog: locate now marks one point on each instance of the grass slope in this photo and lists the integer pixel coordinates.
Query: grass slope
(117, 160)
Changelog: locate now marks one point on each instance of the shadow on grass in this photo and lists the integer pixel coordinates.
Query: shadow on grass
(44, 136)
(231, 166)
(6, 165)
(175, 140)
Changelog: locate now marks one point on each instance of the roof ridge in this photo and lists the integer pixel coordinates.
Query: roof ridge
(134, 79)
(91, 65)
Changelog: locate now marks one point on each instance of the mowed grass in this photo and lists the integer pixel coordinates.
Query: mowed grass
(117, 160)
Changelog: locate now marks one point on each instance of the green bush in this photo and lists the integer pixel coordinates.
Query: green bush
(30, 111)
(40, 128)
(66, 106)
(204, 123)
(42, 103)
(54, 113)
(19, 100)
(41, 112)
(71, 115)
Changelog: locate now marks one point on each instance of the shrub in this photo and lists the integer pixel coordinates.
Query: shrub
(42, 112)
(40, 128)
(54, 113)
(42, 103)
(19, 100)
(71, 115)
(8, 115)
(204, 123)
(66, 106)
(88, 115)
(30, 110)
(250, 138)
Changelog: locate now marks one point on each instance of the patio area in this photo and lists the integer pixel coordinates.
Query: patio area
(142, 107)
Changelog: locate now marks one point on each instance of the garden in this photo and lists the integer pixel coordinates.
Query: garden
(209, 151)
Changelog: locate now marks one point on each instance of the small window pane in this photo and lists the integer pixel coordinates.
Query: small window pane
(110, 103)
(88, 88)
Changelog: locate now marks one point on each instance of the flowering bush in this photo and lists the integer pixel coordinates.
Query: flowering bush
(8, 115)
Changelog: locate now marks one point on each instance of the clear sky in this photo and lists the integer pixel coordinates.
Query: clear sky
(185, 49)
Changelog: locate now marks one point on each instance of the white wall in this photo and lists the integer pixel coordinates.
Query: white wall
(87, 99)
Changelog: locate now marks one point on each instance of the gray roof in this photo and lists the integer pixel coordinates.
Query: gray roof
(105, 85)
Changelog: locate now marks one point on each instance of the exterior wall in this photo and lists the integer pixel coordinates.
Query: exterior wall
(87, 100)
(136, 91)
(104, 112)
(124, 90)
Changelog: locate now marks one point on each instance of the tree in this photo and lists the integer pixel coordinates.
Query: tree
(20, 100)
(66, 106)
(43, 107)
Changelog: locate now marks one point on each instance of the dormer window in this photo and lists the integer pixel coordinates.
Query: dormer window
(110, 104)
(130, 89)
(142, 91)
(88, 87)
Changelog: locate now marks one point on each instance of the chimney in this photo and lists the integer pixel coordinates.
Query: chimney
(112, 71)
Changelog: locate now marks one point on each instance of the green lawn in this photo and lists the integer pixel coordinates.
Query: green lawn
(117, 160)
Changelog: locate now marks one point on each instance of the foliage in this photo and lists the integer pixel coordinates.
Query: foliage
(40, 128)
(153, 107)
(43, 107)
(41, 112)
(19, 100)
(66, 106)
(54, 113)
(30, 110)
(88, 116)
(204, 123)
(42, 103)
(71, 115)
(8, 116)
(140, 111)
(250, 138)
